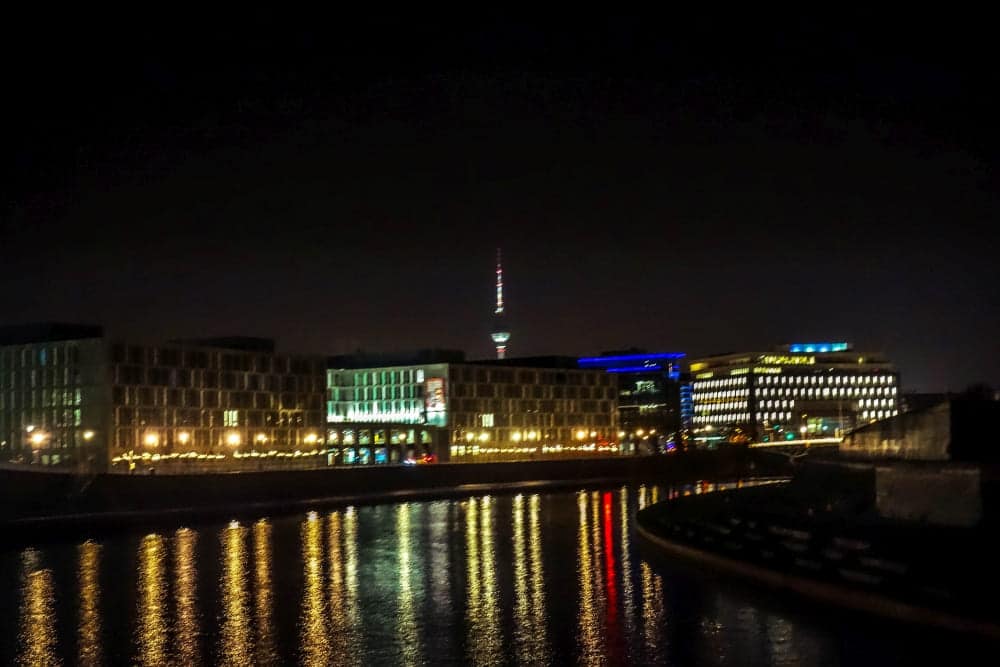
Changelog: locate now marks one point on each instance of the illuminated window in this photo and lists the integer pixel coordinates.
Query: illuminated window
(230, 418)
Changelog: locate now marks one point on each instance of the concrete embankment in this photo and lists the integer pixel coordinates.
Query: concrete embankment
(821, 537)
(36, 499)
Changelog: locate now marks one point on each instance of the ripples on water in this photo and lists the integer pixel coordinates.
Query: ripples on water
(527, 579)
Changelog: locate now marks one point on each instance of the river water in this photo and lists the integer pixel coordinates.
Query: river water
(547, 579)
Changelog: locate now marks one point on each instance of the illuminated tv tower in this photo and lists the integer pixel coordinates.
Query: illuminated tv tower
(500, 333)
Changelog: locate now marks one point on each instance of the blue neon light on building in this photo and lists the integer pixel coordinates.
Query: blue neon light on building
(608, 362)
(634, 369)
(817, 347)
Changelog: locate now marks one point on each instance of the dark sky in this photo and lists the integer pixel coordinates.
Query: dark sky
(693, 183)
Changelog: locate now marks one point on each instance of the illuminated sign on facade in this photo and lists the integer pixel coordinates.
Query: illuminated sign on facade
(702, 376)
(739, 371)
(766, 370)
(435, 400)
(787, 360)
(697, 366)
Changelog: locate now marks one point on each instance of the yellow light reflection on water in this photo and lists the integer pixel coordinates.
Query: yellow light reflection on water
(482, 613)
(152, 626)
(626, 564)
(588, 635)
(351, 579)
(652, 608)
(408, 634)
(186, 597)
(263, 594)
(37, 634)
(342, 650)
(315, 642)
(472, 604)
(529, 596)
(88, 581)
(540, 645)
(522, 620)
(235, 642)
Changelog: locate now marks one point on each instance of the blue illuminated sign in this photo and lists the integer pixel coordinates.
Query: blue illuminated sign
(817, 347)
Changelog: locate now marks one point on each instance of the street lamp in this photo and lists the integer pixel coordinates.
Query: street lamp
(233, 439)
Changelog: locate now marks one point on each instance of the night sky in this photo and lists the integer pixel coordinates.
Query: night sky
(696, 183)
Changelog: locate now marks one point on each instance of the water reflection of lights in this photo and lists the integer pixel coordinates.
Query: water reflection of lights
(529, 595)
(652, 608)
(235, 642)
(186, 597)
(628, 603)
(591, 650)
(315, 642)
(523, 629)
(351, 579)
(37, 635)
(540, 645)
(440, 567)
(408, 633)
(152, 631)
(264, 594)
(88, 580)
(482, 612)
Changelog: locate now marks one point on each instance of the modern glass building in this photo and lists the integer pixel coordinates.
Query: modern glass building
(650, 386)
(482, 410)
(798, 391)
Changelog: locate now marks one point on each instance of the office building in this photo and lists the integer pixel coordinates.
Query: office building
(71, 397)
(513, 408)
(653, 412)
(798, 391)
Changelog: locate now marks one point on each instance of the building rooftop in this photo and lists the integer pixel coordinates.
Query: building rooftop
(362, 359)
(241, 343)
(44, 332)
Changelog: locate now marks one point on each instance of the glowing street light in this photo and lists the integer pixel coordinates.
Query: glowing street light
(183, 437)
(581, 434)
(151, 439)
(88, 435)
(233, 439)
(261, 438)
(38, 437)
(310, 438)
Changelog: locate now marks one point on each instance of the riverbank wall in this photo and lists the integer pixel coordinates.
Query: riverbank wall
(30, 497)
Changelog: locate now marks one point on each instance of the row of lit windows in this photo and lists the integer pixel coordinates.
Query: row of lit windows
(878, 414)
(876, 403)
(827, 379)
(709, 395)
(719, 407)
(726, 418)
(777, 404)
(827, 392)
(773, 416)
(726, 382)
